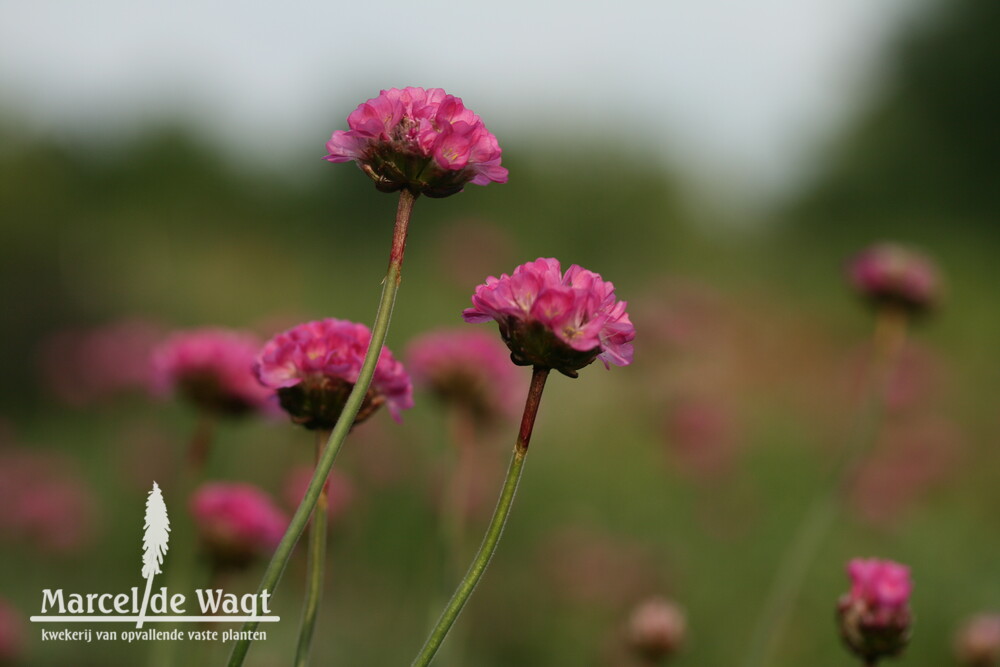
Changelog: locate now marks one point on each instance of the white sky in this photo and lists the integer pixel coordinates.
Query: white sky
(738, 87)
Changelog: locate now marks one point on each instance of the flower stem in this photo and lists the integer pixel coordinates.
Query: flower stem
(888, 339)
(317, 562)
(390, 285)
(495, 529)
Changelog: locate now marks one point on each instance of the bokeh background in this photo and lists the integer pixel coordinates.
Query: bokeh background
(160, 169)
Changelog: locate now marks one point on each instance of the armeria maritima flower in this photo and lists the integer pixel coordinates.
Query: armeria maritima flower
(470, 369)
(211, 368)
(236, 522)
(553, 320)
(421, 139)
(875, 615)
(887, 273)
(314, 366)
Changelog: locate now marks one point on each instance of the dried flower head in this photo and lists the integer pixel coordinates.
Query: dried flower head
(977, 643)
(469, 369)
(554, 320)
(420, 139)
(211, 368)
(875, 615)
(895, 275)
(656, 629)
(315, 365)
(236, 522)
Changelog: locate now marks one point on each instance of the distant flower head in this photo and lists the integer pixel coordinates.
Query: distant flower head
(470, 369)
(11, 634)
(86, 366)
(339, 490)
(977, 643)
(875, 615)
(656, 629)
(236, 522)
(211, 368)
(893, 274)
(314, 366)
(555, 320)
(44, 501)
(421, 139)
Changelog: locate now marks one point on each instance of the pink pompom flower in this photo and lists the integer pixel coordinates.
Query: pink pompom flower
(887, 273)
(315, 365)
(875, 614)
(469, 369)
(236, 522)
(553, 320)
(424, 140)
(212, 368)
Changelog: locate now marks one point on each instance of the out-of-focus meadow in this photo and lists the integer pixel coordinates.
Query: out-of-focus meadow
(684, 475)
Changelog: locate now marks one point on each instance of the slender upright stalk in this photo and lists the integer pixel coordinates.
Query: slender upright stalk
(317, 563)
(495, 529)
(888, 339)
(390, 285)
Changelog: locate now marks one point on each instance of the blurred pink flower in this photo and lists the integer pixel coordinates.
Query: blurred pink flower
(553, 320)
(875, 615)
(913, 456)
(977, 642)
(44, 501)
(890, 273)
(470, 369)
(211, 368)
(656, 629)
(86, 366)
(314, 366)
(701, 434)
(236, 522)
(339, 490)
(421, 139)
(11, 634)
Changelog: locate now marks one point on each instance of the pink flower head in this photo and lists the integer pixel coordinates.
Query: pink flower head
(470, 369)
(314, 366)
(339, 490)
(555, 320)
(44, 501)
(875, 615)
(212, 368)
(656, 629)
(893, 274)
(87, 366)
(236, 522)
(421, 139)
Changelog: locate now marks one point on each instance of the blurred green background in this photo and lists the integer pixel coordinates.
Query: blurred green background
(684, 475)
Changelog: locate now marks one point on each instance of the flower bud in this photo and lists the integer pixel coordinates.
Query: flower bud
(656, 630)
(977, 643)
(874, 617)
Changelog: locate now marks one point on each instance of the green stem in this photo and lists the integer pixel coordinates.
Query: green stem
(390, 285)
(890, 333)
(495, 529)
(317, 562)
